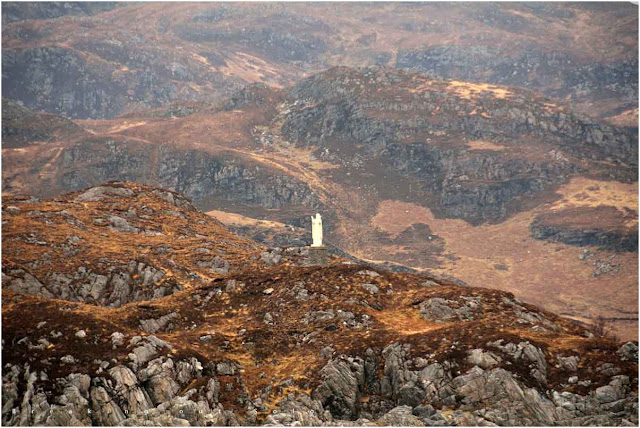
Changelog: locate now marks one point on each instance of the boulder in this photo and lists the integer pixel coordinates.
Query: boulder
(400, 416)
(100, 193)
(339, 392)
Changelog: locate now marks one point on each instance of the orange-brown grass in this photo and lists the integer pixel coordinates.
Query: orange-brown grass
(478, 90)
(271, 353)
(484, 145)
(626, 118)
(184, 233)
(232, 219)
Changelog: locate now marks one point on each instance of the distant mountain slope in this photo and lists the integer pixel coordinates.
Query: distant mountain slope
(124, 305)
(21, 11)
(21, 126)
(100, 63)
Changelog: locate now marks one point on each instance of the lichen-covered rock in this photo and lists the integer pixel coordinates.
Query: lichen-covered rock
(629, 351)
(342, 380)
(483, 359)
(100, 193)
(400, 416)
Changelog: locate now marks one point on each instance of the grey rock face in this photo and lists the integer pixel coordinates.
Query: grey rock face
(371, 288)
(117, 338)
(148, 347)
(629, 351)
(371, 273)
(154, 325)
(115, 289)
(149, 394)
(478, 397)
(217, 265)
(568, 363)
(270, 258)
(482, 359)
(19, 280)
(62, 89)
(119, 224)
(299, 410)
(128, 391)
(341, 387)
(440, 310)
(531, 355)
(436, 309)
(100, 193)
(400, 416)
(106, 411)
(580, 80)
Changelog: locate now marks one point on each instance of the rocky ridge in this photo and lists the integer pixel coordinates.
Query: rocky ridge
(21, 126)
(108, 245)
(607, 228)
(270, 342)
(418, 127)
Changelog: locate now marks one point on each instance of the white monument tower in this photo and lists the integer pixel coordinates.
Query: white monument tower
(316, 230)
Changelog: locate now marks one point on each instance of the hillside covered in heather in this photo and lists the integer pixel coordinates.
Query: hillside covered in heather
(113, 315)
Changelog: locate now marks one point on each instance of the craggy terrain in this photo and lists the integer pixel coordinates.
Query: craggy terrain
(123, 304)
(99, 61)
(482, 182)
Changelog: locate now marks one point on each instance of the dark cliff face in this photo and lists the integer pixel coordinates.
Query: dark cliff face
(478, 187)
(60, 81)
(424, 134)
(346, 105)
(533, 69)
(21, 126)
(201, 176)
(603, 227)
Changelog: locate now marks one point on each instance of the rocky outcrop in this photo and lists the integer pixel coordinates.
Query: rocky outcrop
(609, 228)
(199, 176)
(67, 84)
(14, 12)
(348, 357)
(133, 283)
(109, 246)
(404, 134)
(145, 391)
(23, 127)
(273, 43)
(440, 310)
(483, 395)
(487, 64)
(610, 240)
(341, 387)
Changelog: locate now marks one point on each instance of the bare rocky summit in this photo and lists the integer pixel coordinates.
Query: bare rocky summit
(124, 305)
